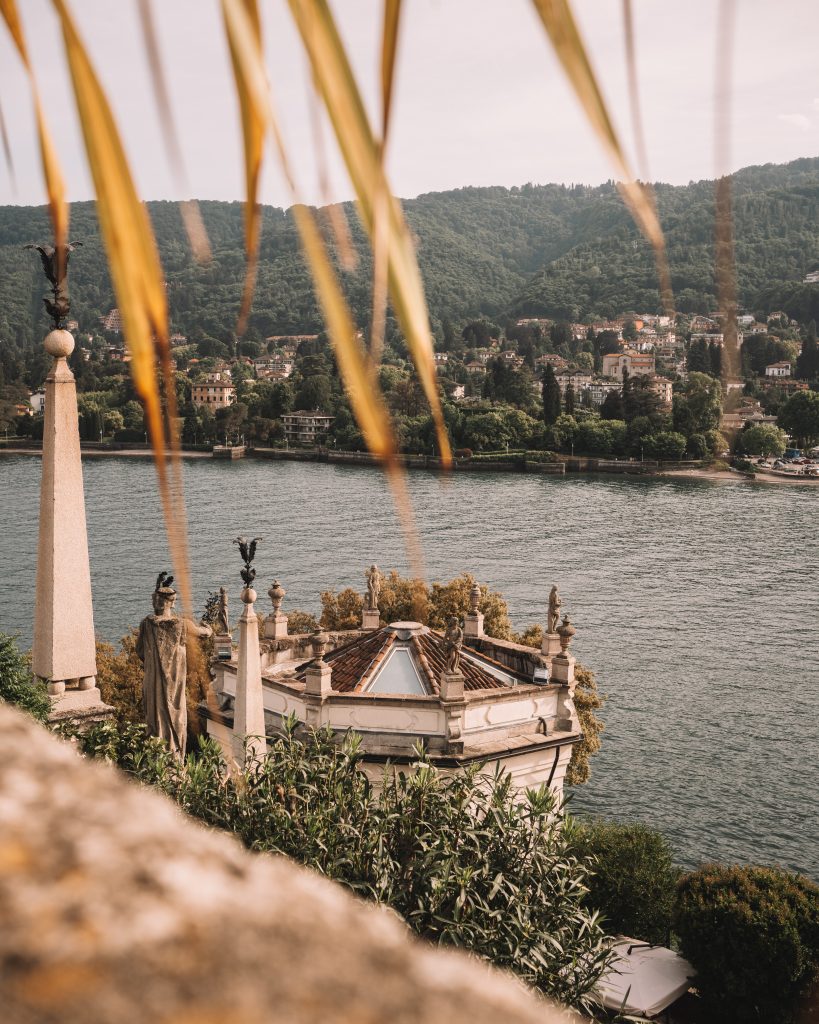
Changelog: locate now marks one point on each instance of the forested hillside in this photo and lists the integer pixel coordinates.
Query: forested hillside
(552, 250)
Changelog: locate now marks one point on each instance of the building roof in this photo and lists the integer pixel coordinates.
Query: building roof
(406, 657)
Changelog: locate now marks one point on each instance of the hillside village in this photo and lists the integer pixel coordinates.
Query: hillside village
(635, 386)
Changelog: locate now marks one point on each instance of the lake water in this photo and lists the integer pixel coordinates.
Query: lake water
(696, 603)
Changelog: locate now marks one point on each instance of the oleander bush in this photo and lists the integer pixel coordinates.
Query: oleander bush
(462, 860)
(634, 878)
(17, 685)
(752, 933)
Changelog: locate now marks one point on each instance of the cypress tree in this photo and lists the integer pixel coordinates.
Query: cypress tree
(568, 401)
(551, 395)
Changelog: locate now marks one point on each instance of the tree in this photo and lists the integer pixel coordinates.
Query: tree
(699, 408)
(799, 416)
(752, 934)
(612, 407)
(560, 334)
(17, 685)
(568, 400)
(461, 858)
(762, 439)
(629, 331)
(807, 364)
(634, 879)
(640, 399)
(551, 396)
(667, 446)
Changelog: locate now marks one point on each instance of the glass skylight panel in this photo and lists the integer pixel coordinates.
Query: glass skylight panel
(398, 674)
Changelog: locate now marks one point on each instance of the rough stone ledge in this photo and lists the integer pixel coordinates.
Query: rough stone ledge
(115, 907)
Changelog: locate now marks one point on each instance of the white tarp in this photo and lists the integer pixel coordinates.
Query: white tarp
(643, 979)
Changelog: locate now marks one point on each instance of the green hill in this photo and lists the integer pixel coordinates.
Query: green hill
(551, 250)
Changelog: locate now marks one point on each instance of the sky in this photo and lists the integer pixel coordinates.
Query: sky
(480, 98)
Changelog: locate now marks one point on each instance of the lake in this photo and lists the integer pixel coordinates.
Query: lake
(696, 604)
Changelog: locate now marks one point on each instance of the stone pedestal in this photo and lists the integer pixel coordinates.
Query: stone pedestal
(275, 627)
(566, 719)
(223, 646)
(473, 624)
(248, 707)
(452, 698)
(370, 618)
(318, 679)
(563, 669)
(452, 686)
(550, 645)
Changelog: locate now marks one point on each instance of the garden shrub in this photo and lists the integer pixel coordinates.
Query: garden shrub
(461, 858)
(752, 933)
(634, 879)
(17, 685)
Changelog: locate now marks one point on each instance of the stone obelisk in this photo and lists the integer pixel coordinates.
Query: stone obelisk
(63, 652)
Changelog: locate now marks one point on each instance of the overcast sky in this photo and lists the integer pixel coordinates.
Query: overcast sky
(480, 99)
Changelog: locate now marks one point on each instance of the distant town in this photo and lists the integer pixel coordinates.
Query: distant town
(640, 385)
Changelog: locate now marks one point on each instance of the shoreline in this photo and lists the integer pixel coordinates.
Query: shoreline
(576, 466)
(735, 476)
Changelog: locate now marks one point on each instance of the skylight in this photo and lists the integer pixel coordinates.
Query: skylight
(398, 674)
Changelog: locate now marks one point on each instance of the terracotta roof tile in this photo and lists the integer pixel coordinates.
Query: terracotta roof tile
(355, 663)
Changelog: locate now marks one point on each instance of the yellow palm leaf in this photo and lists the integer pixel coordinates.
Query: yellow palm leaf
(357, 374)
(558, 20)
(136, 275)
(361, 153)
(389, 47)
(244, 33)
(55, 186)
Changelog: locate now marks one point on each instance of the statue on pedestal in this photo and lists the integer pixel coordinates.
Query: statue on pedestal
(222, 624)
(373, 577)
(161, 648)
(554, 610)
(453, 641)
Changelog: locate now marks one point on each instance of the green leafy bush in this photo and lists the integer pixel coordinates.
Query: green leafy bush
(752, 933)
(17, 685)
(462, 860)
(634, 880)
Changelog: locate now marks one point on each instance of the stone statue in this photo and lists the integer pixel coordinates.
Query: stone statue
(55, 266)
(554, 610)
(161, 648)
(373, 577)
(222, 624)
(453, 641)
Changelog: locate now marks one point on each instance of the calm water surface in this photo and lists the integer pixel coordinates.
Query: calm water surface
(696, 603)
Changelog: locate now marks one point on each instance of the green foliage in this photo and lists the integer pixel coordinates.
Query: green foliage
(17, 685)
(459, 857)
(752, 933)
(634, 879)
(301, 622)
(761, 439)
(800, 417)
(587, 702)
(668, 445)
(551, 396)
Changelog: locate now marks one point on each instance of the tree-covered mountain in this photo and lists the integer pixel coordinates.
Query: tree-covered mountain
(551, 250)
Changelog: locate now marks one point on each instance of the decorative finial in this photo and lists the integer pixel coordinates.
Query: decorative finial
(319, 641)
(276, 594)
(474, 599)
(247, 549)
(566, 632)
(55, 265)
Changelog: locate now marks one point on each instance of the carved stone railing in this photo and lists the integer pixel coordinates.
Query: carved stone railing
(116, 907)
